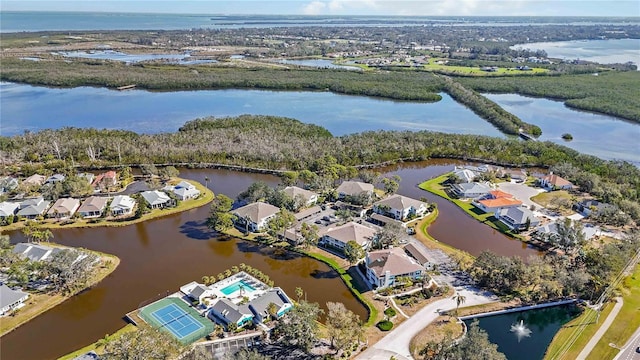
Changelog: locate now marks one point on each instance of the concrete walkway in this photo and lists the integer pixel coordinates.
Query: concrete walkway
(396, 343)
(603, 329)
(628, 352)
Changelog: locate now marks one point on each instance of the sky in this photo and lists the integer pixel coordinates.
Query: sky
(342, 7)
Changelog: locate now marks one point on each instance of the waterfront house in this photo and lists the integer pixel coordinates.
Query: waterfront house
(400, 207)
(32, 208)
(197, 292)
(55, 178)
(470, 190)
(419, 254)
(34, 180)
(11, 300)
(554, 182)
(516, 175)
(260, 305)
(465, 175)
(122, 205)
(255, 216)
(354, 188)
(308, 197)
(225, 311)
(8, 184)
(185, 190)
(93, 206)
(63, 208)
(338, 237)
(385, 266)
(547, 232)
(496, 200)
(8, 208)
(34, 252)
(106, 179)
(156, 199)
(518, 218)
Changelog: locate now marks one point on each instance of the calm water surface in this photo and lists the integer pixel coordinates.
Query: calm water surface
(604, 136)
(543, 323)
(25, 107)
(601, 51)
(166, 253)
(320, 63)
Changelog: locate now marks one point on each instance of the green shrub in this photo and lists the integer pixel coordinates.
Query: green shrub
(385, 325)
(390, 312)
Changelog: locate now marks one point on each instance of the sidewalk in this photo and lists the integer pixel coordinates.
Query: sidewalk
(603, 329)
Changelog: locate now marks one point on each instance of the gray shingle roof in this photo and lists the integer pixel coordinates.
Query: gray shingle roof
(155, 197)
(393, 260)
(9, 297)
(231, 311)
(351, 231)
(260, 304)
(354, 188)
(256, 211)
(399, 202)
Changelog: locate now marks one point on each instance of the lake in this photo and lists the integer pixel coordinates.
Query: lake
(25, 107)
(600, 51)
(543, 324)
(180, 59)
(604, 136)
(165, 253)
(319, 63)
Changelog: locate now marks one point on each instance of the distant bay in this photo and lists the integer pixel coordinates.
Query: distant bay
(601, 51)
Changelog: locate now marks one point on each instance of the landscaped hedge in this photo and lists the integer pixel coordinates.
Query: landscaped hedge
(390, 312)
(385, 325)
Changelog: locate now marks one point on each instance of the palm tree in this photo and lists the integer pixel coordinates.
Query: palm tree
(460, 299)
(299, 293)
(206, 181)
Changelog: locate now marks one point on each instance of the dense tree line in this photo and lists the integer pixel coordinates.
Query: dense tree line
(610, 92)
(288, 144)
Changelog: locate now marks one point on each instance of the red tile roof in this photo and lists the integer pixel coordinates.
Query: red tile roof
(500, 202)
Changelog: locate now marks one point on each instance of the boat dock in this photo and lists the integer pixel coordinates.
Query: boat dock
(526, 136)
(127, 87)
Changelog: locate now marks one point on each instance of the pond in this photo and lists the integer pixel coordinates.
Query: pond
(180, 59)
(25, 107)
(604, 136)
(319, 63)
(526, 335)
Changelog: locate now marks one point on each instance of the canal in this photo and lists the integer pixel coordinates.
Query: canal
(165, 253)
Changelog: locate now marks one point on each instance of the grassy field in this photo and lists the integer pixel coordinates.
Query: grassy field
(476, 71)
(37, 304)
(625, 323)
(436, 186)
(585, 323)
(550, 200)
(205, 198)
(98, 346)
(436, 331)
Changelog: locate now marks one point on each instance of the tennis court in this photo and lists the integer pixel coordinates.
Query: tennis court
(176, 317)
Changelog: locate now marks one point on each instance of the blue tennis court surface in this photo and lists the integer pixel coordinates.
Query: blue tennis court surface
(176, 320)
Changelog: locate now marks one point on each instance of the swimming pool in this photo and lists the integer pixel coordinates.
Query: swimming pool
(230, 289)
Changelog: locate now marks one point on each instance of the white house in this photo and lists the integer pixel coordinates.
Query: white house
(516, 218)
(465, 175)
(32, 208)
(34, 252)
(309, 197)
(555, 182)
(197, 291)
(255, 216)
(8, 208)
(338, 237)
(185, 190)
(384, 266)
(122, 205)
(470, 190)
(400, 207)
(156, 199)
(11, 299)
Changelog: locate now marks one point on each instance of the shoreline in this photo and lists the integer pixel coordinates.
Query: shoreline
(46, 302)
(186, 205)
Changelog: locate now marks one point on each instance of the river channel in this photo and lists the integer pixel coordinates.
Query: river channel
(165, 253)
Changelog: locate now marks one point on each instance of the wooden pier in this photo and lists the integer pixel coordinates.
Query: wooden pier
(526, 136)
(127, 87)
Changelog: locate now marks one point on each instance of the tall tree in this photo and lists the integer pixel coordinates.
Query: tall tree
(220, 217)
(474, 346)
(353, 252)
(390, 234)
(460, 299)
(391, 184)
(35, 233)
(299, 327)
(309, 234)
(343, 326)
(144, 343)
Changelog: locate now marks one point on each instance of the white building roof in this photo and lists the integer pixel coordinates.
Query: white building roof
(9, 297)
(122, 202)
(155, 197)
(8, 208)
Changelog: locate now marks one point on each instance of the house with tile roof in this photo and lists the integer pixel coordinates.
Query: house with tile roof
(106, 179)
(354, 188)
(255, 216)
(338, 237)
(35, 180)
(400, 207)
(385, 266)
(63, 208)
(554, 182)
(496, 200)
(93, 206)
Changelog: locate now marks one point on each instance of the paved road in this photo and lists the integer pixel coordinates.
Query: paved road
(629, 350)
(396, 343)
(521, 192)
(603, 329)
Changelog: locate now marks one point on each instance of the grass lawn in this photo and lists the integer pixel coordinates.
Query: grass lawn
(549, 199)
(98, 346)
(436, 186)
(37, 304)
(585, 323)
(476, 71)
(625, 323)
(205, 198)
